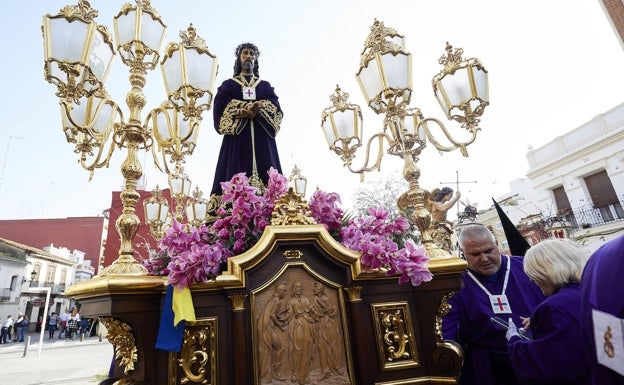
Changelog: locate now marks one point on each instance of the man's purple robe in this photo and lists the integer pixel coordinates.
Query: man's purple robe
(236, 148)
(601, 289)
(553, 356)
(486, 360)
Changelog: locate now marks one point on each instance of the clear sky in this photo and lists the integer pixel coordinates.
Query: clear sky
(553, 65)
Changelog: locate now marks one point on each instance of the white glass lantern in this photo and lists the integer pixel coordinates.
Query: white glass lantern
(385, 77)
(462, 86)
(175, 135)
(197, 209)
(156, 212)
(385, 74)
(342, 122)
(139, 33)
(78, 52)
(180, 185)
(189, 71)
(297, 181)
(95, 115)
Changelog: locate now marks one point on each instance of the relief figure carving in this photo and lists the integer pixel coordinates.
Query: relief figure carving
(272, 345)
(300, 337)
(301, 333)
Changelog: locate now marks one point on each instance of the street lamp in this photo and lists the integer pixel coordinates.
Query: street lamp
(385, 78)
(78, 57)
(33, 274)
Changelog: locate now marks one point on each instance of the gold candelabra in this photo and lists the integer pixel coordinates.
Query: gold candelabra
(385, 78)
(78, 56)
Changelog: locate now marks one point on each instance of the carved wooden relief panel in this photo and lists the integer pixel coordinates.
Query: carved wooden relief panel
(300, 330)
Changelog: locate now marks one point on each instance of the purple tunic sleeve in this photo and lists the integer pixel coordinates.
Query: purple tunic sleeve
(553, 356)
(602, 290)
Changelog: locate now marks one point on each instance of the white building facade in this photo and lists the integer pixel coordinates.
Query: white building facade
(27, 274)
(578, 177)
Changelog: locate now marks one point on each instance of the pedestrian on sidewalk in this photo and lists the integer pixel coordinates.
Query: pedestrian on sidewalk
(84, 328)
(17, 326)
(23, 328)
(63, 325)
(73, 323)
(52, 323)
(5, 332)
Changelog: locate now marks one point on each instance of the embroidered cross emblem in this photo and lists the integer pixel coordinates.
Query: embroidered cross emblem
(501, 305)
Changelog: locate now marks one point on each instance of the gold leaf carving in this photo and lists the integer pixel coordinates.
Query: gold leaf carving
(293, 254)
(238, 301)
(394, 335)
(193, 357)
(121, 337)
(396, 347)
(291, 209)
(354, 293)
(443, 310)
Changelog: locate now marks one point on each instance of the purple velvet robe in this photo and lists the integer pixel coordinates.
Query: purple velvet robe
(236, 148)
(601, 289)
(486, 360)
(553, 356)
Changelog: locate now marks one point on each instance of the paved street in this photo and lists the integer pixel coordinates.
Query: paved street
(62, 361)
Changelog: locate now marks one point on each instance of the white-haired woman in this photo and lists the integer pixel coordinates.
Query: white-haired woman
(553, 355)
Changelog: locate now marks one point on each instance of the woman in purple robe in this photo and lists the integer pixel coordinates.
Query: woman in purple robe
(247, 113)
(553, 356)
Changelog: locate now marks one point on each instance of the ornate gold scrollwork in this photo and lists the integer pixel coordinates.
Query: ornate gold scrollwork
(121, 337)
(443, 310)
(197, 359)
(293, 254)
(193, 359)
(394, 335)
(291, 209)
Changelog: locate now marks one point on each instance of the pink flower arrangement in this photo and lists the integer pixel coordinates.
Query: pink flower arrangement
(199, 254)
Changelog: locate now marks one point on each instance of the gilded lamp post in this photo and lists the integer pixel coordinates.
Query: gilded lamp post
(78, 56)
(385, 78)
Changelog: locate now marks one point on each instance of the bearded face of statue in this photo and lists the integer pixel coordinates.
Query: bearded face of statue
(248, 59)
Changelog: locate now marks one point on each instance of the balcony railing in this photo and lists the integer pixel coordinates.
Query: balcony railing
(55, 288)
(5, 294)
(589, 216)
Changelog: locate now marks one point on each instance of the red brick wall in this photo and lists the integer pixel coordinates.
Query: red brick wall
(81, 233)
(615, 12)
